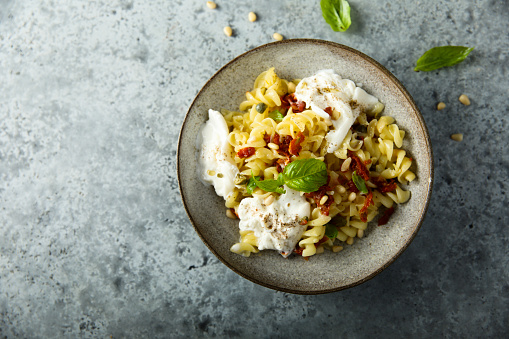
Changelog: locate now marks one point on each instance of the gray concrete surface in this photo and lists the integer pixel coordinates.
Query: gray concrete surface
(94, 241)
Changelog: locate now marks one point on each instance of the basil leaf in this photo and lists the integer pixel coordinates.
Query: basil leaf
(306, 175)
(338, 221)
(359, 182)
(331, 231)
(443, 56)
(271, 185)
(337, 14)
(276, 116)
(251, 185)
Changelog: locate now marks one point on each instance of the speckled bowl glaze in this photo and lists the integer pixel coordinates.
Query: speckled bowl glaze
(329, 271)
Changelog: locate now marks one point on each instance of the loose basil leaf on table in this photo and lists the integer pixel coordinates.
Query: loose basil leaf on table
(337, 14)
(306, 175)
(359, 182)
(443, 56)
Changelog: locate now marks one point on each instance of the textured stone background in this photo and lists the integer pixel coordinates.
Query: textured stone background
(94, 241)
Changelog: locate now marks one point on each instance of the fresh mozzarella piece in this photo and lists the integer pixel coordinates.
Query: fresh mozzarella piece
(328, 89)
(276, 226)
(215, 163)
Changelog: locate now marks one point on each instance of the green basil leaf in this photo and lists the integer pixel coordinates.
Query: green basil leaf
(276, 116)
(338, 221)
(251, 185)
(359, 182)
(337, 14)
(331, 231)
(306, 175)
(443, 56)
(271, 185)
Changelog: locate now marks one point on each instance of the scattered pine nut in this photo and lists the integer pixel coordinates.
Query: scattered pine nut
(440, 106)
(349, 241)
(336, 249)
(346, 164)
(330, 192)
(269, 200)
(277, 36)
(230, 214)
(352, 196)
(360, 233)
(324, 199)
(251, 16)
(228, 31)
(340, 189)
(457, 137)
(211, 4)
(464, 100)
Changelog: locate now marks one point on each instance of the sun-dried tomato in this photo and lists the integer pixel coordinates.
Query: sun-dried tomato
(295, 147)
(363, 213)
(281, 164)
(384, 219)
(275, 139)
(290, 100)
(266, 138)
(352, 187)
(284, 145)
(318, 195)
(246, 152)
(359, 166)
(328, 110)
(298, 250)
(384, 186)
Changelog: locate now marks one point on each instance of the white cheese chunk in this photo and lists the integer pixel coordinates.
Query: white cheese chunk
(328, 89)
(215, 163)
(276, 226)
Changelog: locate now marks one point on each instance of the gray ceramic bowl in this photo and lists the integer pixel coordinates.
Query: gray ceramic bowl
(329, 271)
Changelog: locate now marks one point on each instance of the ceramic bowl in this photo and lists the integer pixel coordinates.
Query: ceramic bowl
(327, 272)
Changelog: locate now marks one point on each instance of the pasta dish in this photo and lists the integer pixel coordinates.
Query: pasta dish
(304, 164)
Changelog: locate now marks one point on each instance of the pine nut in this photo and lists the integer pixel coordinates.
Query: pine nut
(277, 36)
(324, 199)
(336, 248)
(230, 214)
(346, 164)
(211, 4)
(319, 250)
(269, 200)
(464, 100)
(228, 31)
(440, 106)
(291, 87)
(340, 189)
(352, 196)
(349, 241)
(273, 145)
(360, 233)
(457, 137)
(251, 16)
(211, 173)
(330, 192)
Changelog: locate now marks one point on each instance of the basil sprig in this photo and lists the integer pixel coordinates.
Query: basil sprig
(271, 185)
(359, 182)
(337, 14)
(306, 175)
(443, 56)
(251, 184)
(276, 116)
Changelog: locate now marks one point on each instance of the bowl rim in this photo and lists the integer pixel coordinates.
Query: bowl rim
(420, 119)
